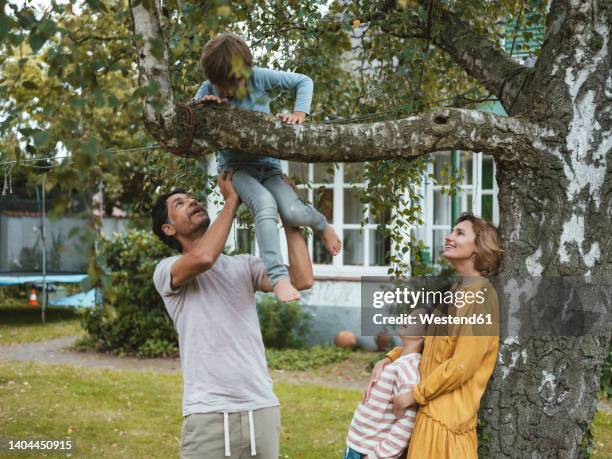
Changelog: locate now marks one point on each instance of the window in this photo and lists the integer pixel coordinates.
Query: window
(477, 194)
(336, 192)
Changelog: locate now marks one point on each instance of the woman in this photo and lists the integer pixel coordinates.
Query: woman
(456, 368)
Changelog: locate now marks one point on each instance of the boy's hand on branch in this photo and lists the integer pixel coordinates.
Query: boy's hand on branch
(227, 188)
(293, 118)
(211, 98)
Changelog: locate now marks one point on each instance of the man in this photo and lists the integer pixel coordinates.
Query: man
(229, 407)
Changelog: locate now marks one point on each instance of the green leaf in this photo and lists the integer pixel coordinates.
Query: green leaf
(14, 38)
(157, 48)
(98, 98)
(29, 84)
(91, 146)
(36, 41)
(40, 137)
(77, 102)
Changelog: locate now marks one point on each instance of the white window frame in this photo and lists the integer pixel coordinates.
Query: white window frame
(426, 232)
(337, 268)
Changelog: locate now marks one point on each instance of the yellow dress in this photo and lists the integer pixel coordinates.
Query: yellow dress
(454, 374)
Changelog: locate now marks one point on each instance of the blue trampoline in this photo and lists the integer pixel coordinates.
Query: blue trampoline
(79, 300)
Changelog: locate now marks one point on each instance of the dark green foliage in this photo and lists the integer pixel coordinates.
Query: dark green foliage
(134, 319)
(283, 325)
(304, 359)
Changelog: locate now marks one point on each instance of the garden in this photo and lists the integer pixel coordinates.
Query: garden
(123, 407)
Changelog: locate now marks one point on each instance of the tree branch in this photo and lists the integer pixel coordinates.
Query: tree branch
(218, 127)
(480, 57)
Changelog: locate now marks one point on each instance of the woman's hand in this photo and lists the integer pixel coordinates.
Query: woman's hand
(402, 402)
(378, 369)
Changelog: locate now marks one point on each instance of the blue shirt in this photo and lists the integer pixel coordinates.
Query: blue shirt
(258, 100)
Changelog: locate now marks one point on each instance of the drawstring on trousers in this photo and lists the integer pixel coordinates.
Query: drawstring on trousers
(252, 433)
(226, 437)
(226, 433)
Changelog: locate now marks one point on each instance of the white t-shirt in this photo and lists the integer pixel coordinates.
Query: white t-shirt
(222, 352)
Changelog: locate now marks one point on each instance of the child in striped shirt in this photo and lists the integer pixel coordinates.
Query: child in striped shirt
(374, 431)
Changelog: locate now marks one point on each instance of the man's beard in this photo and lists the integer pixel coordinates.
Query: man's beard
(202, 226)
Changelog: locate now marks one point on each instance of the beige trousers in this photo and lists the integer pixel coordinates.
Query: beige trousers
(243, 435)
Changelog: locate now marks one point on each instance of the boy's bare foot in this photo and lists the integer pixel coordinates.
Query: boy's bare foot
(331, 241)
(285, 292)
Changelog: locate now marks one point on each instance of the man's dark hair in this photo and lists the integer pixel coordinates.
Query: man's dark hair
(159, 215)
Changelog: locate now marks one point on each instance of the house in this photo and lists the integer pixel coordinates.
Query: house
(335, 298)
(21, 236)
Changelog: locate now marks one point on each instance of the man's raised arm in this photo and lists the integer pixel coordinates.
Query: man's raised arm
(203, 254)
(300, 265)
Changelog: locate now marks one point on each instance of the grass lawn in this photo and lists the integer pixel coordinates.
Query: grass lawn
(602, 443)
(22, 324)
(127, 414)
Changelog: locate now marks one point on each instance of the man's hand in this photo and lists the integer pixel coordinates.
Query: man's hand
(211, 98)
(376, 372)
(227, 189)
(293, 118)
(402, 402)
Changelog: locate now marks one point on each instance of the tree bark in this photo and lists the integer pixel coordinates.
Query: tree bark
(441, 129)
(554, 174)
(555, 221)
(480, 57)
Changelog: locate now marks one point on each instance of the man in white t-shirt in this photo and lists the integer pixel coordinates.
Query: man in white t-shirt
(229, 407)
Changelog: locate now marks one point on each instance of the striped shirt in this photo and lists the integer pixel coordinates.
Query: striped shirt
(374, 430)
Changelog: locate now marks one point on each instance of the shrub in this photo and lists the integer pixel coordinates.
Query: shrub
(283, 325)
(134, 320)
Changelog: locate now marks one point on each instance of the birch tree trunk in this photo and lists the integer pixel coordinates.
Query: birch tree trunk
(553, 157)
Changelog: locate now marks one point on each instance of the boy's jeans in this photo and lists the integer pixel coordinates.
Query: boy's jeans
(265, 192)
(350, 453)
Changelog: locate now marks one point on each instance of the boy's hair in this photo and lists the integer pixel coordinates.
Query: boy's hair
(159, 216)
(220, 56)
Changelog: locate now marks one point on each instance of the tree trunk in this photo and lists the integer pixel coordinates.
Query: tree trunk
(555, 221)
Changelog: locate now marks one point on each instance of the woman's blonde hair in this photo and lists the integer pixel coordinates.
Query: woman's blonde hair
(489, 256)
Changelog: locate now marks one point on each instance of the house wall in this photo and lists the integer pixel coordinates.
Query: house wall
(20, 236)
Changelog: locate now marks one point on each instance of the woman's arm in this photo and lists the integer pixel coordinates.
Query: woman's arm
(452, 373)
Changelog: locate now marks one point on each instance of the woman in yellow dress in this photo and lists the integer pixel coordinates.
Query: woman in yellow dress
(455, 369)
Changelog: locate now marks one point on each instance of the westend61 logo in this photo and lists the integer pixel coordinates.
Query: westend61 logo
(424, 305)
(497, 306)
(423, 297)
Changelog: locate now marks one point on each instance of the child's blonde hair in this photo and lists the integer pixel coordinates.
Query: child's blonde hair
(220, 55)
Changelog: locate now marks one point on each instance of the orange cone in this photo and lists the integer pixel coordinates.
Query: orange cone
(33, 300)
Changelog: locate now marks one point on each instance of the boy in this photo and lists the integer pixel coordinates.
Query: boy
(374, 431)
(228, 64)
